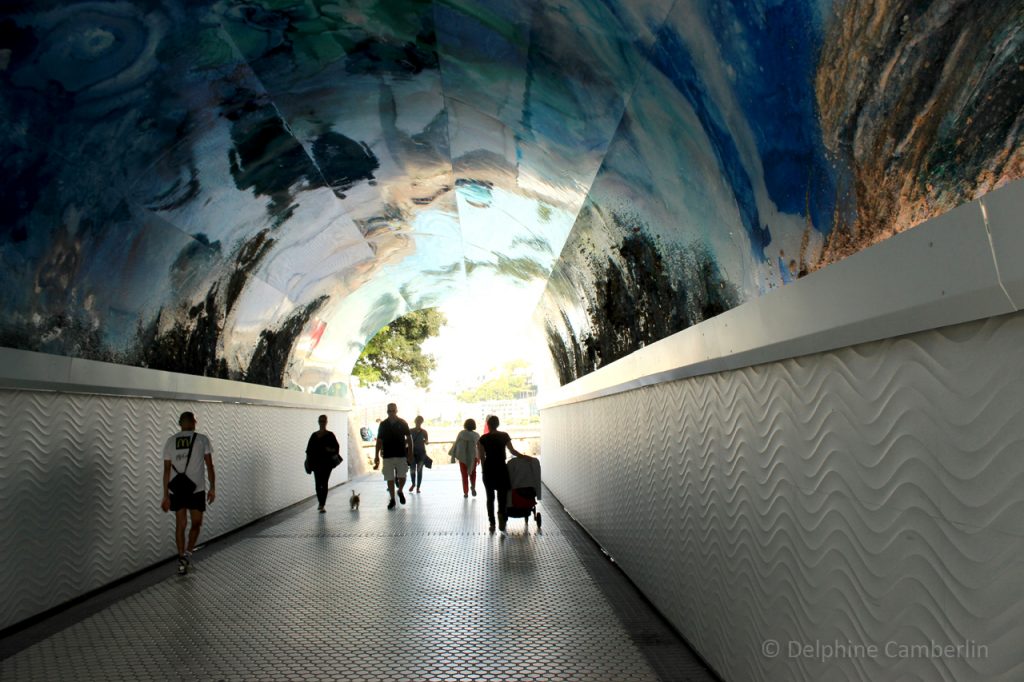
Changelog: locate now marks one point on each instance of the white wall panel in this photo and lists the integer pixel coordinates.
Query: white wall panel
(967, 264)
(868, 495)
(80, 484)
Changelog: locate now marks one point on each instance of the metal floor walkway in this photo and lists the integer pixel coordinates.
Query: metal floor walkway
(423, 592)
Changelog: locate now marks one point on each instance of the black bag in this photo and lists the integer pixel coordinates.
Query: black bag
(335, 459)
(181, 484)
(427, 462)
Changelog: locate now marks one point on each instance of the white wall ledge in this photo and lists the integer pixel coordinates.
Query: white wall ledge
(27, 370)
(965, 265)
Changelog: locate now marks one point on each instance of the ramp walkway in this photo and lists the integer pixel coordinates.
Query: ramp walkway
(423, 592)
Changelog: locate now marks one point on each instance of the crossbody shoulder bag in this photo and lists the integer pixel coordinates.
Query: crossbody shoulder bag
(182, 484)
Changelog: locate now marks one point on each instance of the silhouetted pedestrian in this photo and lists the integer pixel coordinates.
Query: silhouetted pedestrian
(492, 448)
(323, 454)
(394, 442)
(420, 439)
(464, 451)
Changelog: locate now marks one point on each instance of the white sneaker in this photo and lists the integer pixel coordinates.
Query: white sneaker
(182, 565)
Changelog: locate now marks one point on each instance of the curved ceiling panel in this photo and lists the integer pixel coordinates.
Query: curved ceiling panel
(252, 189)
(765, 140)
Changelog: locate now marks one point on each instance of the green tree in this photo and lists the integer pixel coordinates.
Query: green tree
(506, 386)
(396, 351)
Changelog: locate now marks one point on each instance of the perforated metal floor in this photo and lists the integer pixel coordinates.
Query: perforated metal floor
(423, 592)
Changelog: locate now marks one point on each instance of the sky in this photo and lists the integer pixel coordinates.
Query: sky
(490, 317)
(489, 324)
(475, 340)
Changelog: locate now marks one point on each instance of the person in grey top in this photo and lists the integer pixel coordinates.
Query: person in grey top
(420, 439)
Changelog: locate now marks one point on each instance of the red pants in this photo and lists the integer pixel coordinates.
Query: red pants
(468, 476)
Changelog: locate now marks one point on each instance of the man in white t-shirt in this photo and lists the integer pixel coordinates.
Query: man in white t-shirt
(186, 453)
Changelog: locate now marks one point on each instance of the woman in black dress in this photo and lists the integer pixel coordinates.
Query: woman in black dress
(323, 454)
(492, 446)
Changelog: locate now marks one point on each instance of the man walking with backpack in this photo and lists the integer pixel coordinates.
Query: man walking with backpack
(185, 493)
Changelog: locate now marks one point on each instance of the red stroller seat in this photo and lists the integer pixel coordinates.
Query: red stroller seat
(522, 504)
(525, 489)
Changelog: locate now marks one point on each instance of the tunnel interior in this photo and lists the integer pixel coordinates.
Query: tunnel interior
(773, 249)
(250, 190)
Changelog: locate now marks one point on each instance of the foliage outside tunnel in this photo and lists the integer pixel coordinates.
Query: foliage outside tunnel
(514, 382)
(395, 352)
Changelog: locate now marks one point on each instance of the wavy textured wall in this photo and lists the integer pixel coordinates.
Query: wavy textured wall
(865, 496)
(80, 485)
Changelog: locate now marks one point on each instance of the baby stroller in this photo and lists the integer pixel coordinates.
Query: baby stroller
(524, 490)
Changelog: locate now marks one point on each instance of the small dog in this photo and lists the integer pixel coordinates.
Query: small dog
(353, 502)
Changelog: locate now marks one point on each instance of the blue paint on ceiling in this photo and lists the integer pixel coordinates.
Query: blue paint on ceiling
(250, 190)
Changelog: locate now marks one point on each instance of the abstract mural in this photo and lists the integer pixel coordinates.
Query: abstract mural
(765, 140)
(250, 190)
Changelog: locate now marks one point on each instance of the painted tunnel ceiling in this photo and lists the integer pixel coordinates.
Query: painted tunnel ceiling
(251, 190)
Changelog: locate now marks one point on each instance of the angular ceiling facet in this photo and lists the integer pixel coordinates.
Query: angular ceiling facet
(251, 190)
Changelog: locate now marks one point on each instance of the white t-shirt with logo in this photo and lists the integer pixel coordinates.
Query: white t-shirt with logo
(176, 452)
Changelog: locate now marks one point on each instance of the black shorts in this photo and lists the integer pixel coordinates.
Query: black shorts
(196, 500)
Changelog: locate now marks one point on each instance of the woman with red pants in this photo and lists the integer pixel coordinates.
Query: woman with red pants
(464, 450)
